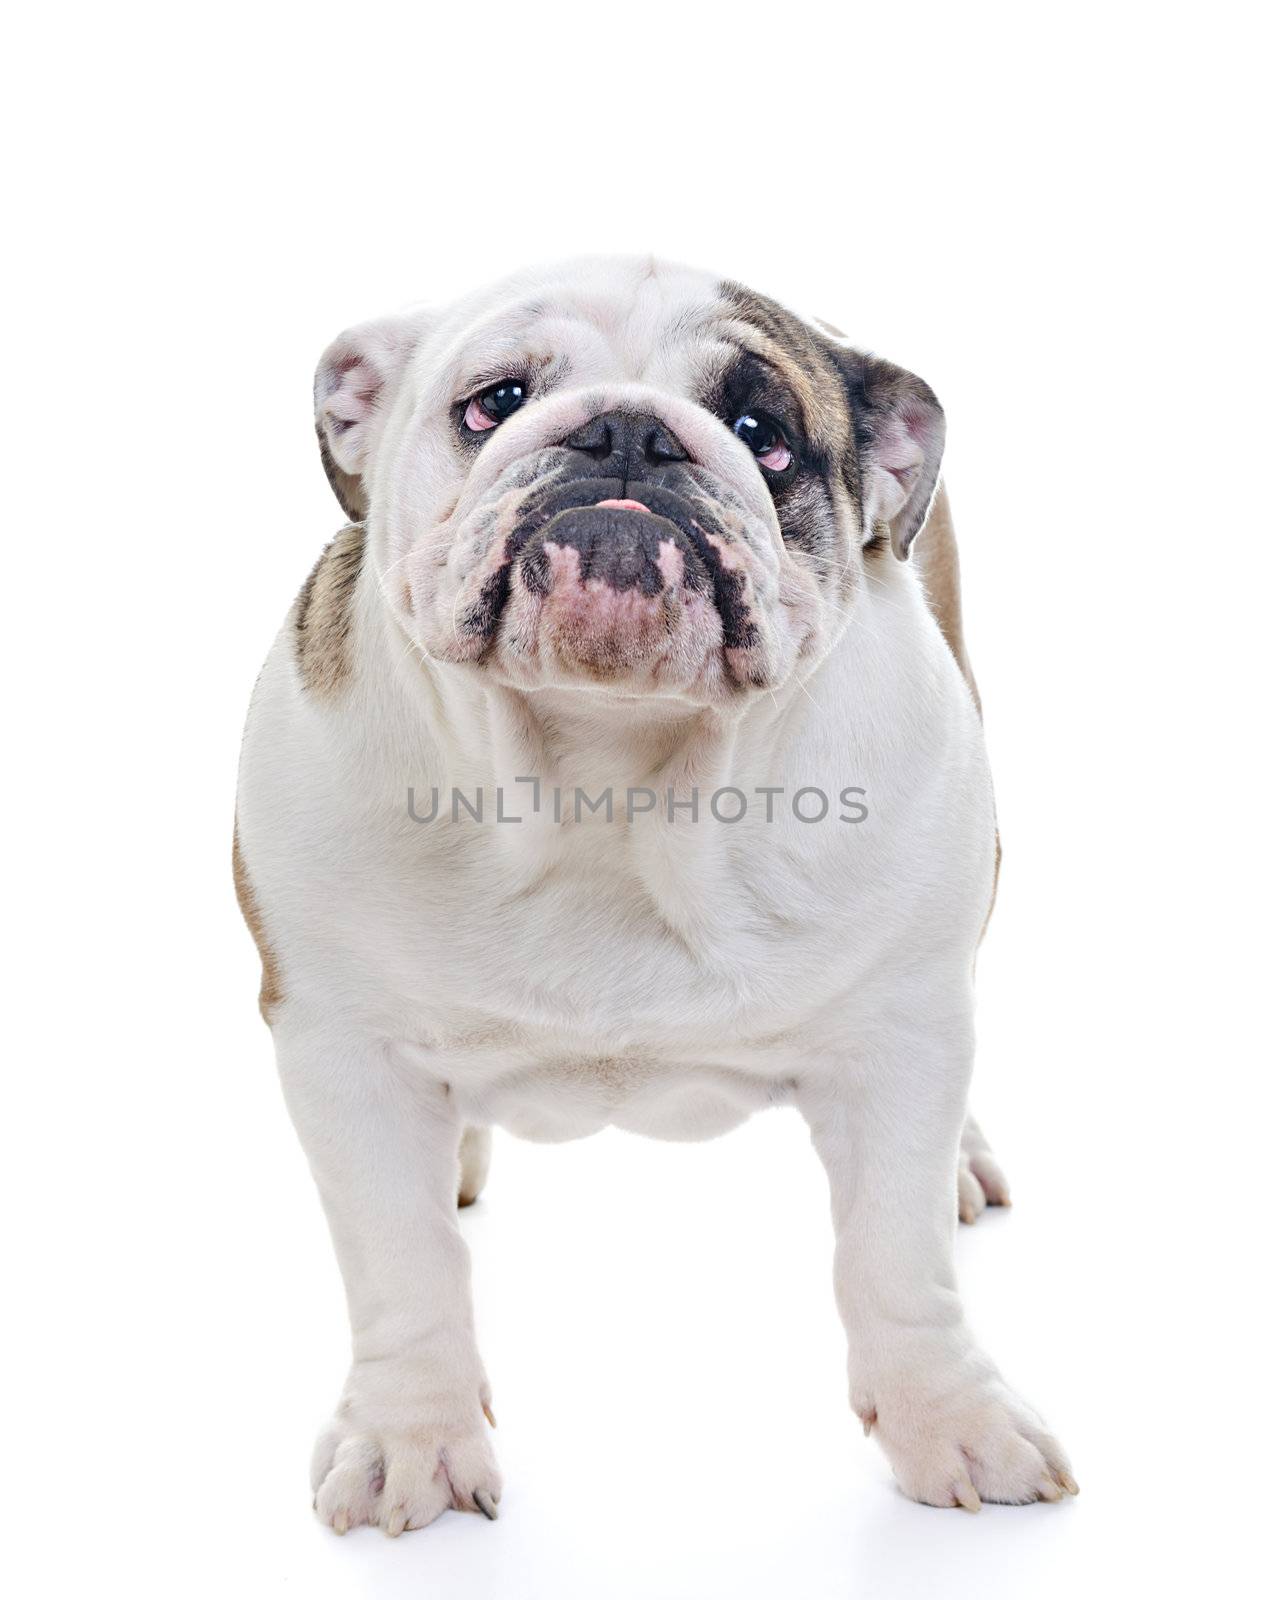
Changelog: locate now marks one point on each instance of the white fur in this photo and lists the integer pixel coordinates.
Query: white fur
(668, 978)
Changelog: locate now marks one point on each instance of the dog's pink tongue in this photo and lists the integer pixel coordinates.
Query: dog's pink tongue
(623, 505)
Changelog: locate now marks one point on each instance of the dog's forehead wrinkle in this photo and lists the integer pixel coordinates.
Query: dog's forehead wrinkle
(636, 325)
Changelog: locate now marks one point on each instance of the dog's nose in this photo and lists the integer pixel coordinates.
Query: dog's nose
(627, 443)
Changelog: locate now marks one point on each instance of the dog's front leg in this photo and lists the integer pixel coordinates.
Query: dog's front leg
(886, 1121)
(409, 1437)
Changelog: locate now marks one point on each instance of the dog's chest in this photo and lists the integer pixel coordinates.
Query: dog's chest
(617, 985)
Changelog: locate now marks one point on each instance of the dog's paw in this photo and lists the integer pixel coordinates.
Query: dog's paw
(962, 1439)
(401, 1473)
(981, 1179)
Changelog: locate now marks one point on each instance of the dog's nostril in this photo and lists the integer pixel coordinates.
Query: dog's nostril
(662, 445)
(595, 438)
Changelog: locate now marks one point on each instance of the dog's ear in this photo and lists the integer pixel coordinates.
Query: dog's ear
(900, 430)
(356, 381)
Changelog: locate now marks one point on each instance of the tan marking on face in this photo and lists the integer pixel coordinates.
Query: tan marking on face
(321, 620)
(789, 345)
(270, 975)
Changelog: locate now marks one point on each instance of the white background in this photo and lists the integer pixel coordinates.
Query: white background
(1047, 212)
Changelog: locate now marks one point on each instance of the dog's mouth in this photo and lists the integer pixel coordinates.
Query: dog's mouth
(615, 561)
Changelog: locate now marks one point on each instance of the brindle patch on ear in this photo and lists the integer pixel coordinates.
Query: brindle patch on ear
(321, 620)
(270, 976)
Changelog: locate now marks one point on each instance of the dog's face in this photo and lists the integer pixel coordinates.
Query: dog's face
(624, 474)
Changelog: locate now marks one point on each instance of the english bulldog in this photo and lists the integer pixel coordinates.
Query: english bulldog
(618, 765)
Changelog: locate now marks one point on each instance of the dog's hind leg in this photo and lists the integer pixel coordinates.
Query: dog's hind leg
(981, 1179)
(474, 1155)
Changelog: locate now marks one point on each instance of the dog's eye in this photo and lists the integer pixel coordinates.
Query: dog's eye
(494, 405)
(765, 439)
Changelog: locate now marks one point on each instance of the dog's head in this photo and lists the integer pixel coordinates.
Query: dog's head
(624, 474)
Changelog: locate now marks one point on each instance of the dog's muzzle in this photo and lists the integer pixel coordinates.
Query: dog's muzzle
(628, 517)
(620, 538)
